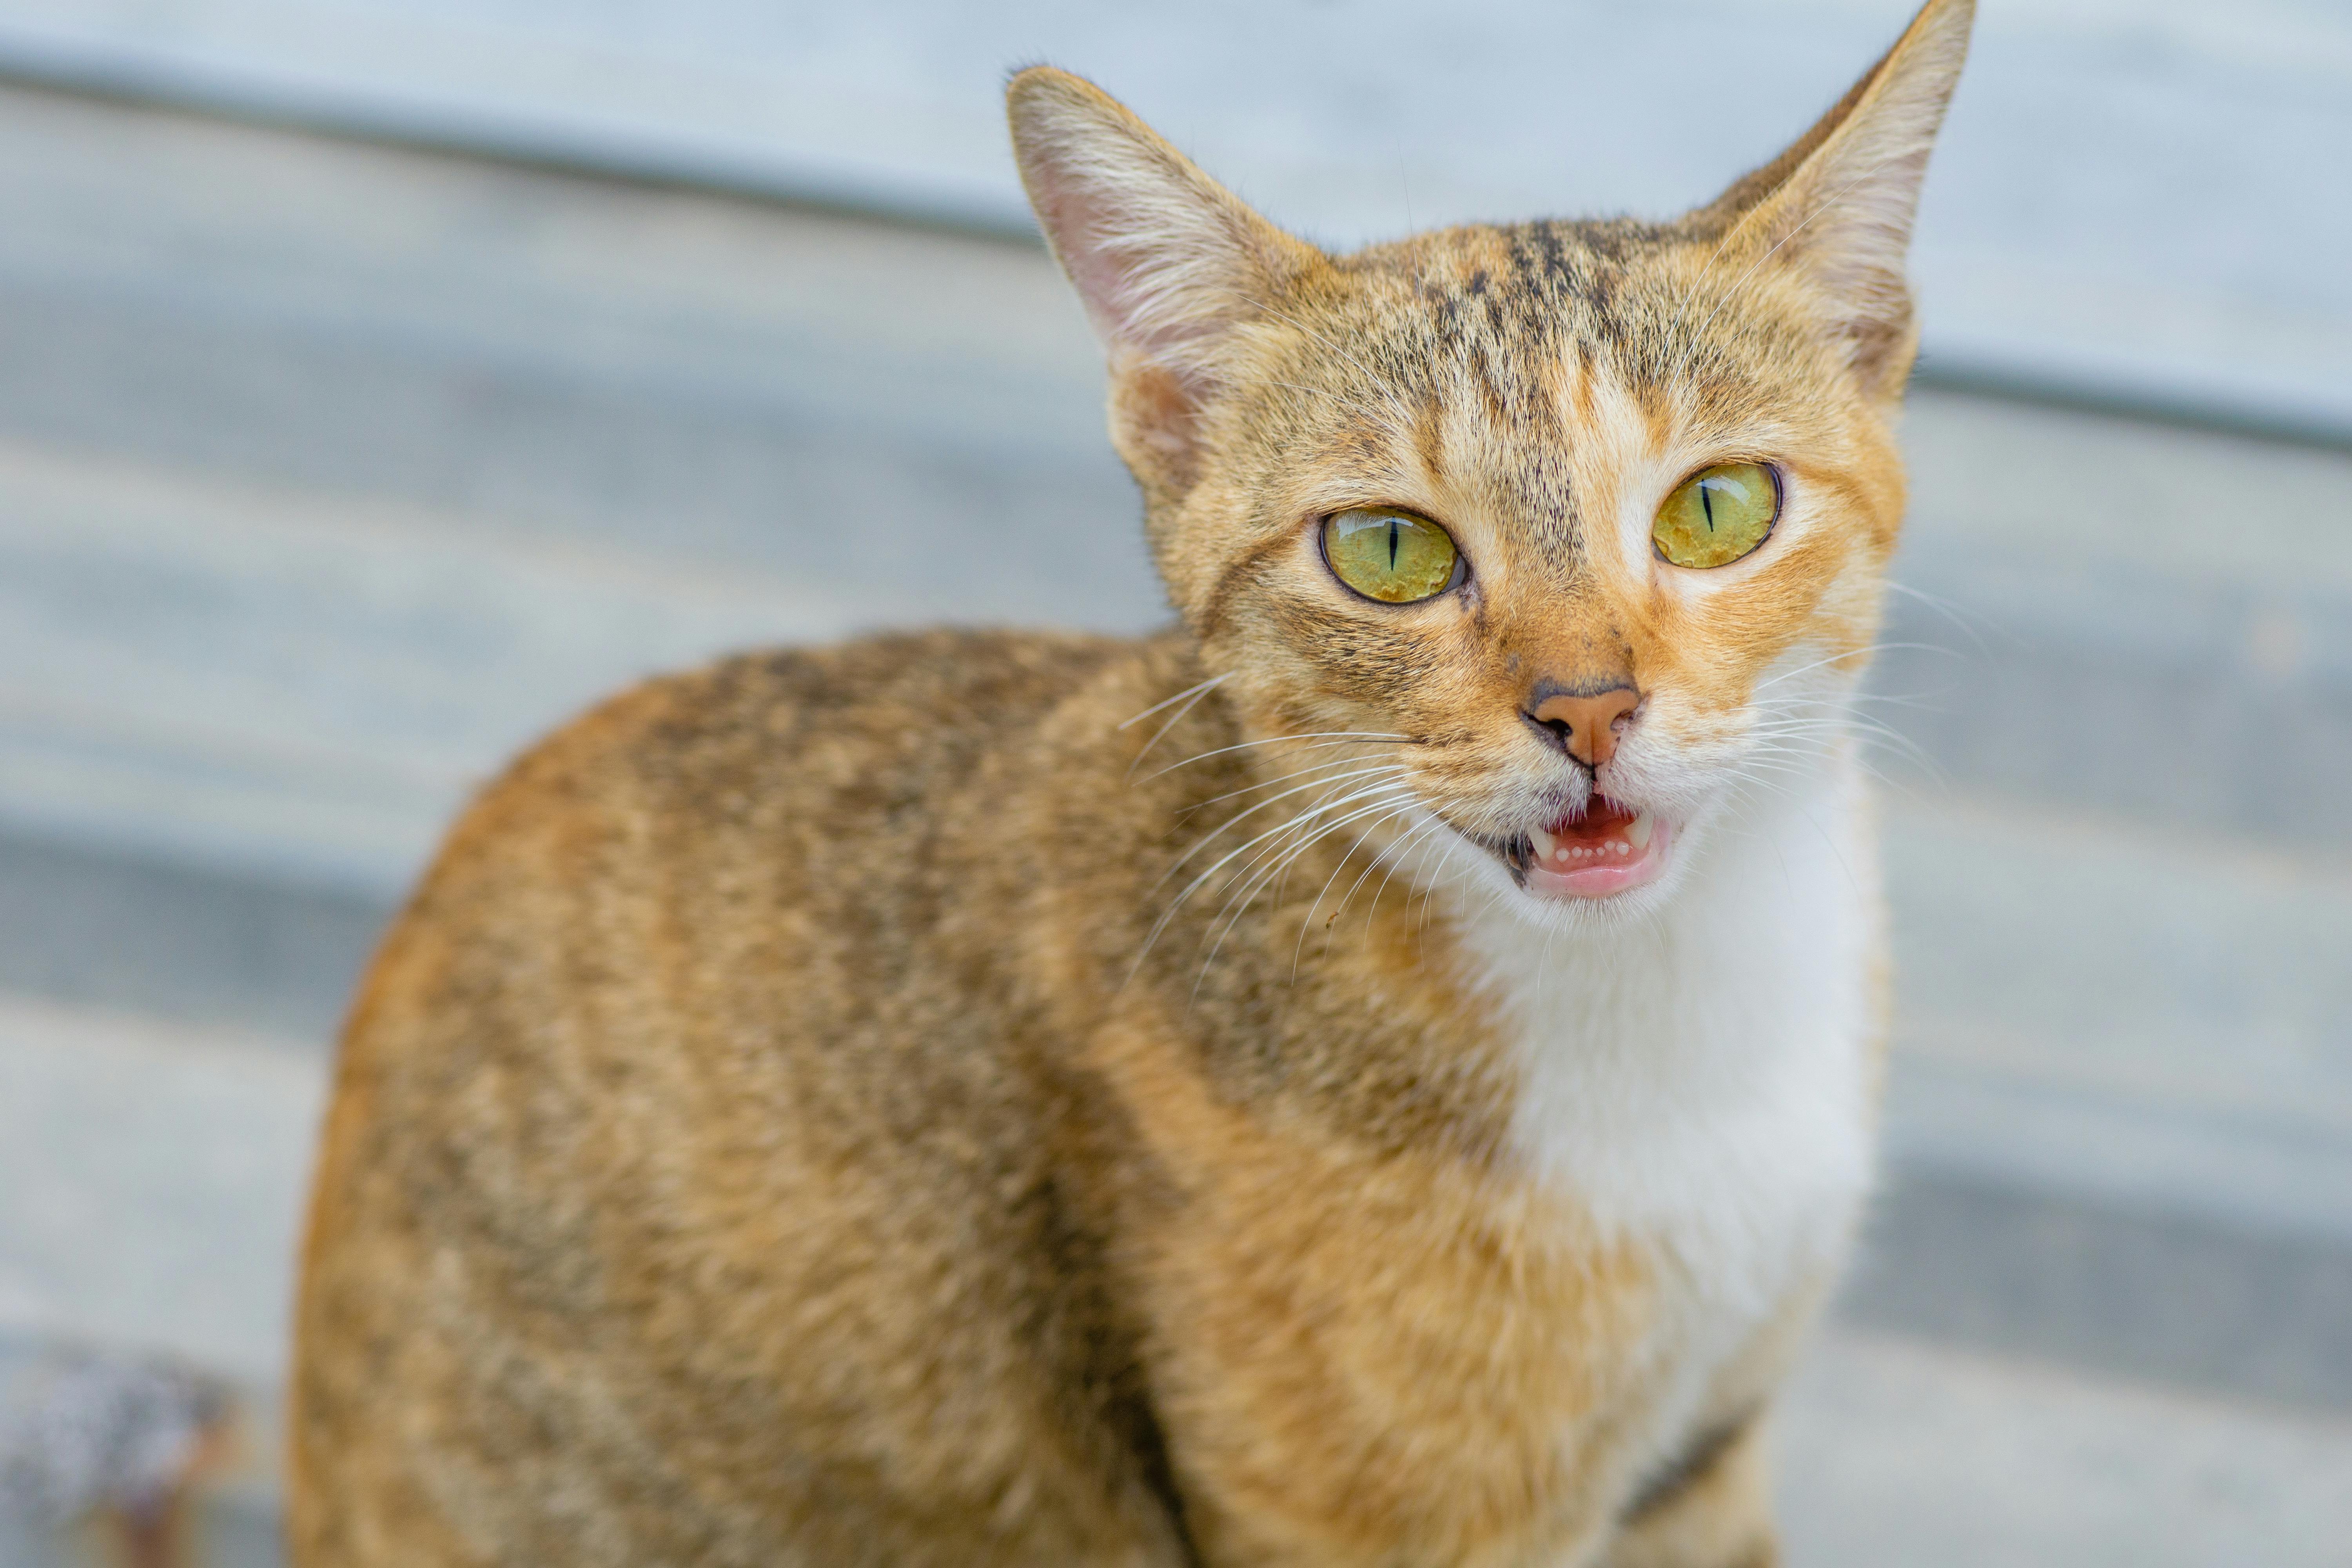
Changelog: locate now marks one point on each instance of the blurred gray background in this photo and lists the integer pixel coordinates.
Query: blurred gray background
(381, 382)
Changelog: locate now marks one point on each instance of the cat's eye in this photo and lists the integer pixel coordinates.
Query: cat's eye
(1391, 556)
(1717, 515)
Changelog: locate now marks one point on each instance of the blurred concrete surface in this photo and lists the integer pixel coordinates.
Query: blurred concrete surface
(2181, 250)
(332, 473)
(1905, 1455)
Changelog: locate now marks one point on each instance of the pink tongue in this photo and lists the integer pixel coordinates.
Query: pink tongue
(1606, 819)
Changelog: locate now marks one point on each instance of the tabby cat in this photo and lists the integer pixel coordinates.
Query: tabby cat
(1380, 1073)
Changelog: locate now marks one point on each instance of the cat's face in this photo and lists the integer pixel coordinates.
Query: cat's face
(1539, 542)
(1503, 416)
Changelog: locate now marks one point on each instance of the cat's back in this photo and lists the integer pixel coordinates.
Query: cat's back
(701, 1093)
(794, 834)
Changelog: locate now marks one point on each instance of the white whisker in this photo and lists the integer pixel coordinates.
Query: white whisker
(1335, 737)
(1240, 906)
(1292, 825)
(1190, 697)
(1389, 769)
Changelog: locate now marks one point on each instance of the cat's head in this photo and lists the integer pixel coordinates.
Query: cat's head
(1553, 537)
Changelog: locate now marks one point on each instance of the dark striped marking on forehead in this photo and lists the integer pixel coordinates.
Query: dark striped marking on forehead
(1490, 323)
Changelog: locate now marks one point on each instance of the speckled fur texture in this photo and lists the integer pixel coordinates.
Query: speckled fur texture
(986, 1099)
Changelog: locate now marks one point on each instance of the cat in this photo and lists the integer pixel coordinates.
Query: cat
(1382, 1072)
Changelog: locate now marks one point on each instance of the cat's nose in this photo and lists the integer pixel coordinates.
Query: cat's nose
(1584, 723)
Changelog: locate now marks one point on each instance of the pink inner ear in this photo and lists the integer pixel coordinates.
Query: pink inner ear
(1083, 239)
(1117, 254)
(1159, 255)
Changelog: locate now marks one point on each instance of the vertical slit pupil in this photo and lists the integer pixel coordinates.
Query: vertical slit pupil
(1707, 502)
(1393, 543)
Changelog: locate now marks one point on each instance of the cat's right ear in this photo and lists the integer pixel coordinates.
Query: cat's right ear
(1167, 261)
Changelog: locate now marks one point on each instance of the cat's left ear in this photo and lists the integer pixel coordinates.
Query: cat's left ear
(1167, 261)
(1839, 204)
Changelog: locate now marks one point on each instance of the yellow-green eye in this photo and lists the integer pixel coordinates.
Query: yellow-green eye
(1391, 556)
(1717, 515)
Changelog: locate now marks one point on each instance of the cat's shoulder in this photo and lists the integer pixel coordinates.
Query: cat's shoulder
(808, 713)
(791, 749)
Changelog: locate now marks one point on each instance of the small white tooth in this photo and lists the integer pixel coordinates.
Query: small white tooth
(1543, 842)
(1622, 847)
(1639, 834)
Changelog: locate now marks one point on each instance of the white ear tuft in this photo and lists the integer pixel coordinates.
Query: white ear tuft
(1840, 203)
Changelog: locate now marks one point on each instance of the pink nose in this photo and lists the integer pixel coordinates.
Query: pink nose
(1587, 726)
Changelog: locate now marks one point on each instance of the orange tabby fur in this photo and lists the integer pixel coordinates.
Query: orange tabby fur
(802, 1118)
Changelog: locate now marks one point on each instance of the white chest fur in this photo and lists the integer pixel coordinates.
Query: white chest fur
(1700, 1081)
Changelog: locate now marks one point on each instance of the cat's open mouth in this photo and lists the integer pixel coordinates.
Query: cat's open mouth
(1608, 849)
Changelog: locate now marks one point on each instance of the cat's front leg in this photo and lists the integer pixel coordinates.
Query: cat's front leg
(1714, 1510)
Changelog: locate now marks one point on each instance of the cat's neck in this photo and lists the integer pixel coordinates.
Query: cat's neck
(1726, 1035)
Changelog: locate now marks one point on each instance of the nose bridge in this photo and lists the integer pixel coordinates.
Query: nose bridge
(1572, 637)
